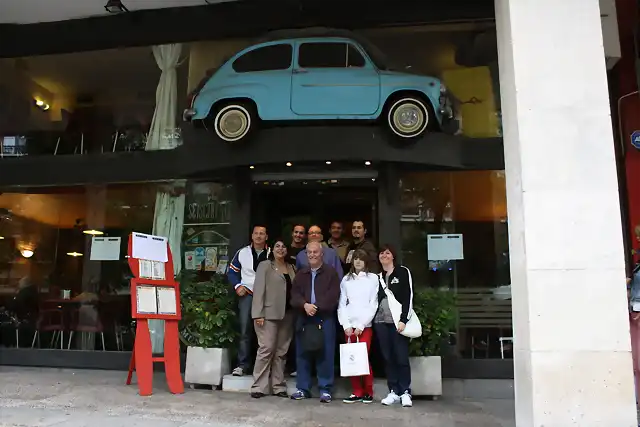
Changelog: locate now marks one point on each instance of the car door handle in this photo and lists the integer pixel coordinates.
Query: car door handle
(299, 71)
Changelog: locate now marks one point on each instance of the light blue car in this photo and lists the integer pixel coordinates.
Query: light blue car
(311, 78)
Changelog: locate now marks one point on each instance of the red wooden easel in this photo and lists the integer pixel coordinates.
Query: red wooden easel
(142, 357)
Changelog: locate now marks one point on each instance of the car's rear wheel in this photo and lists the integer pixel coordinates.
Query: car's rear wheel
(408, 116)
(234, 121)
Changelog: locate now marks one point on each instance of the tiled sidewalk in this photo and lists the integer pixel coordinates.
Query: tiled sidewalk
(50, 397)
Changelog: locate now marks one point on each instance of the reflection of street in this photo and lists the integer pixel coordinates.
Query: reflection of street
(30, 397)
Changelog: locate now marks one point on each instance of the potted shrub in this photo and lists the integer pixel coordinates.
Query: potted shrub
(207, 327)
(436, 310)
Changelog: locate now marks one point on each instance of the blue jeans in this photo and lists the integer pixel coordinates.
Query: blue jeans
(395, 352)
(324, 360)
(246, 332)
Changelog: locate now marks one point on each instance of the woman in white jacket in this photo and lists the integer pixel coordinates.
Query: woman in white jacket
(356, 309)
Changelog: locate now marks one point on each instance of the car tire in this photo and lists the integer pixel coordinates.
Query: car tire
(409, 117)
(234, 122)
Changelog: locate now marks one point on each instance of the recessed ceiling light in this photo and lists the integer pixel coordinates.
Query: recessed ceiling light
(74, 254)
(289, 164)
(252, 167)
(93, 232)
(115, 6)
(367, 163)
(1, 237)
(373, 179)
(328, 162)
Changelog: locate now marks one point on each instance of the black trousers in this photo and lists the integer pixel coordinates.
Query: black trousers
(395, 352)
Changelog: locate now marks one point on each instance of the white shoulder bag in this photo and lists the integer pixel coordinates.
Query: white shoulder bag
(413, 328)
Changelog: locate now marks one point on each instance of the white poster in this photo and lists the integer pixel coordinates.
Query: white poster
(167, 303)
(445, 247)
(105, 249)
(146, 246)
(145, 269)
(146, 300)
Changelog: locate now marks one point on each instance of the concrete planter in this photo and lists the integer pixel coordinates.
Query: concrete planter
(426, 376)
(206, 365)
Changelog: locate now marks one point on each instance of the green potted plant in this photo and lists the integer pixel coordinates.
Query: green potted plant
(437, 312)
(208, 327)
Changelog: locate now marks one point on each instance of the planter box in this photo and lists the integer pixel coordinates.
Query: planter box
(426, 376)
(206, 365)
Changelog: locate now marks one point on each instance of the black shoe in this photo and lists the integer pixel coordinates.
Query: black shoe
(257, 395)
(282, 394)
(352, 399)
(367, 399)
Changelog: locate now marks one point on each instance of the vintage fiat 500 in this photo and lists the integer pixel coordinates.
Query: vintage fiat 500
(336, 76)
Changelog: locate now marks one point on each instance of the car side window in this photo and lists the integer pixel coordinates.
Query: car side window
(354, 57)
(267, 58)
(322, 55)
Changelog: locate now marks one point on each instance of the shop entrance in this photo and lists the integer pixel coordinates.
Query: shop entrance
(282, 201)
(281, 204)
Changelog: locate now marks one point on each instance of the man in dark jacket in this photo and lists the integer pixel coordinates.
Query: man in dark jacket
(359, 233)
(315, 292)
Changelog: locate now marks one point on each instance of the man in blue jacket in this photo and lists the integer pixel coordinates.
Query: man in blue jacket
(241, 274)
(329, 255)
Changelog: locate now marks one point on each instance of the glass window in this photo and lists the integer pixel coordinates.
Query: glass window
(354, 57)
(471, 203)
(207, 220)
(52, 277)
(323, 55)
(274, 57)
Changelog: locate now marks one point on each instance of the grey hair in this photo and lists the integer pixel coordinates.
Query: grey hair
(314, 243)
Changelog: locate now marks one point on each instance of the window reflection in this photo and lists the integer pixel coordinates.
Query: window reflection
(471, 203)
(58, 296)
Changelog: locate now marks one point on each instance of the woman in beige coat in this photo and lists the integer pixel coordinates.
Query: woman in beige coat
(273, 317)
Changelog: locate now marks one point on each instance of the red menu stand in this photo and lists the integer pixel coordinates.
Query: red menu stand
(142, 357)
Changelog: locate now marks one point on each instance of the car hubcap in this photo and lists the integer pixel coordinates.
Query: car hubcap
(233, 124)
(409, 118)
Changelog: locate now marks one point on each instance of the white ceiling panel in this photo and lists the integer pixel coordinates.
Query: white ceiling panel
(33, 11)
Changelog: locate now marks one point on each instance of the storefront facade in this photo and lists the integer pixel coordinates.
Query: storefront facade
(535, 147)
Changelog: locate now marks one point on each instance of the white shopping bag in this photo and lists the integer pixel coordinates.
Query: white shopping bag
(354, 359)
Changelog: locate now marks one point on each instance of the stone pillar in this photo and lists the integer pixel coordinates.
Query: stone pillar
(572, 347)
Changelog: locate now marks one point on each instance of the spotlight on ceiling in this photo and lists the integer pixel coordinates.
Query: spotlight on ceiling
(367, 163)
(289, 164)
(93, 232)
(328, 162)
(115, 6)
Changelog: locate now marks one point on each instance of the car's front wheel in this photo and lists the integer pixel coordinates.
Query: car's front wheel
(408, 117)
(234, 122)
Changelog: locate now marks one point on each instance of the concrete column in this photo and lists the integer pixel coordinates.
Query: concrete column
(572, 346)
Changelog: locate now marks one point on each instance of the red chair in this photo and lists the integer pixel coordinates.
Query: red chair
(50, 320)
(86, 319)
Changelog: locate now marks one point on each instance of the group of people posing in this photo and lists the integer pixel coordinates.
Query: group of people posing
(298, 293)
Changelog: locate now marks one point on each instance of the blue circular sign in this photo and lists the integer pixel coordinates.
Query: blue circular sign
(635, 139)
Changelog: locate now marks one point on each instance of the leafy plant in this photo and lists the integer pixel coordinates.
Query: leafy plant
(208, 311)
(437, 312)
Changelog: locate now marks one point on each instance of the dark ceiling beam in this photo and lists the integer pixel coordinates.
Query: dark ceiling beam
(241, 18)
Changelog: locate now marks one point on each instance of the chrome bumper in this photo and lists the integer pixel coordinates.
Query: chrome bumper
(187, 114)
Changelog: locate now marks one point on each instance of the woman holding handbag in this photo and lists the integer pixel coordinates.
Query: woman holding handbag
(357, 307)
(395, 292)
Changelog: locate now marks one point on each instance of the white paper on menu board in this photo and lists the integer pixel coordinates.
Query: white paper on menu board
(105, 249)
(146, 300)
(167, 303)
(146, 246)
(444, 247)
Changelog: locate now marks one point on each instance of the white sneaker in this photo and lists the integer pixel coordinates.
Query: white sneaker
(392, 398)
(238, 372)
(406, 400)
